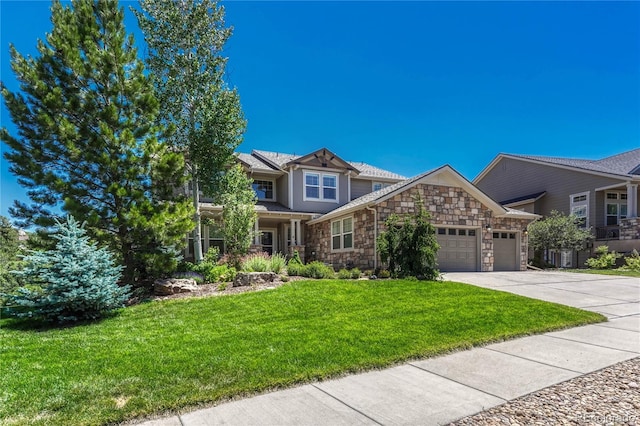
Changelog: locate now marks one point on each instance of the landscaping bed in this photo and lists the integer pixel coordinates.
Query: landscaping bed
(173, 355)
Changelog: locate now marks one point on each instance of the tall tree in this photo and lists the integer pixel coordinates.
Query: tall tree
(558, 232)
(87, 137)
(185, 41)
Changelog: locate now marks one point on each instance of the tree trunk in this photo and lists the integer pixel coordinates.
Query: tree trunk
(197, 232)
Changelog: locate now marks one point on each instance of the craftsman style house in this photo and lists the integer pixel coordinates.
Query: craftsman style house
(602, 193)
(332, 210)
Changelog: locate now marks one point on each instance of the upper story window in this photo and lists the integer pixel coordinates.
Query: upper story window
(264, 189)
(376, 186)
(579, 206)
(320, 186)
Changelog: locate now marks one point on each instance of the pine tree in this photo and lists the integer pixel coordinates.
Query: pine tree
(185, 40)
(87, 138)
(75, 281)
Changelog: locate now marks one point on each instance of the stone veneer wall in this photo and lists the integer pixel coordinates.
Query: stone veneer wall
(630, 228)
(448, 206)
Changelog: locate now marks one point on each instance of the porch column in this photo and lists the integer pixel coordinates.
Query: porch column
(632, 200)
(294, 237)
(256, 237)
(298, 233)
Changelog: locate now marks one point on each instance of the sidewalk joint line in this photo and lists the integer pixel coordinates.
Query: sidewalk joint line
(537, 361)
(460, 383)
(593, 344)
(346, 405)
(180, 420)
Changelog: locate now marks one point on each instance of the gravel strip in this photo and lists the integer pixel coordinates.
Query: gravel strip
(607, 397)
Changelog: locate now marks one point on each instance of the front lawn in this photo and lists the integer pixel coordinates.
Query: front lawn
(171, 355)
(616, 272)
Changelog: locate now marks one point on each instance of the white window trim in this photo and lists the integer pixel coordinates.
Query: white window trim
(273, 183)
(383, 185)
(619, 201)
(320, 186)
(584, 203)
(342, 234)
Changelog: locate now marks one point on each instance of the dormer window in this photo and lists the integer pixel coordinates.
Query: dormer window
(320, 186)
(264, 189)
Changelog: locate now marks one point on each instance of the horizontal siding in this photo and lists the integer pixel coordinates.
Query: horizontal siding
(512, 178)
(360, 187)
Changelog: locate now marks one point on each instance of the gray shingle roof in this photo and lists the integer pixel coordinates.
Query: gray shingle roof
(277, 158)
(254, 162)
(626, 163)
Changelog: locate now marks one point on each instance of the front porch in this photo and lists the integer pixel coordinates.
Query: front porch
(619, 225)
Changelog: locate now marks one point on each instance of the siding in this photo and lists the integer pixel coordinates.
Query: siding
(317, 206)
(282, 190)
(360, 187)
(512, 178)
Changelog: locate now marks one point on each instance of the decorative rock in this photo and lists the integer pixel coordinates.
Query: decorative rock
(252, 278)
(171, 286)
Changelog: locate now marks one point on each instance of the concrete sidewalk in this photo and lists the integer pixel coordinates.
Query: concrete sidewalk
(444, 389)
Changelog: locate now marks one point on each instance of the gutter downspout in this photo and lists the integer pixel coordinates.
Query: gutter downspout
(375, 236)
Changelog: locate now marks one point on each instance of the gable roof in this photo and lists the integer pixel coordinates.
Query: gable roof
(383, 194)
(268, 160)
(623, 165)
(524, 199)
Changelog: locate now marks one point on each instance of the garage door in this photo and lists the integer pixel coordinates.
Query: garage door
(505, 251)
(458, 249)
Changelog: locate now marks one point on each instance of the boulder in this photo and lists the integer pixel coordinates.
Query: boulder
(171, 286)
(253, 278)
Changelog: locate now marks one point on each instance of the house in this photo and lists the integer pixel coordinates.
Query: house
(602, 193)
(332, 210)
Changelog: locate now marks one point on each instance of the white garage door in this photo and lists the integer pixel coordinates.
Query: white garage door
(458, 250)
(505, 251)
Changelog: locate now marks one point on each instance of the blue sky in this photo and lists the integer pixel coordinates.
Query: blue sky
(409, 86)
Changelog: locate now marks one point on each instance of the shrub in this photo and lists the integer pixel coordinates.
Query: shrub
(355, 273)
(295, 269)
(344, 274)
(318, 270)
(632, 262)
(75, 281)
(213, 273)
(295, 258)
(278, 263)
(258, 262)
(384, 273)
(604, 259)
(284, 278)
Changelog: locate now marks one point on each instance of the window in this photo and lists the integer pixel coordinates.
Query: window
(579, 206)
(615, 208)
(442, 231)
(264, 189)
(320, 186)
(342, 234)
(376, 186)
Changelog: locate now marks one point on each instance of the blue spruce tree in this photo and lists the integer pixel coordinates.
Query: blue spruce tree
(75, 281)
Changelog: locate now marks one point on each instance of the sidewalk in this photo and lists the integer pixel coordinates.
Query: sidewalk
(441, 390)
(435, 390)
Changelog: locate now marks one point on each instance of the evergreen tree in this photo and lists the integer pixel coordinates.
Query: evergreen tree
(9, 249)
(185, 40)
(87, 138)
(238, 213)
(74, 281)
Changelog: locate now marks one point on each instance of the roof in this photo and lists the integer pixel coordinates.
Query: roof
(530, 197)
(268, 160)
(625, 164)
(376, 197)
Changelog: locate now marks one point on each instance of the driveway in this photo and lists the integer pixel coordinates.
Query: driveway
(612, 296)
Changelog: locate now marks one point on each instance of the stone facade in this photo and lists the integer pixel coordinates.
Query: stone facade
(448, 206)
(630, 228)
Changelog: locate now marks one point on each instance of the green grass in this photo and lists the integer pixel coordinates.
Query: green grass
(171, 355)
(616, 272)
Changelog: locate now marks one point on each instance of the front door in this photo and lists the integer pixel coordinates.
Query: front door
(267, 240)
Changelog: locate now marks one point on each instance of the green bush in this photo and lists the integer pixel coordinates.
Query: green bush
(258, 262)
(75, 281)
(278, 263)
(295, 258)
(632, 262)
(213, 273)
(318, 270)
(355, 273)
(295, 269)
(384, 273)
(604, 259)
(344, 274)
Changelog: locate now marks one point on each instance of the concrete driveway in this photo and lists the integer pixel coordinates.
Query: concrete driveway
(612, 296)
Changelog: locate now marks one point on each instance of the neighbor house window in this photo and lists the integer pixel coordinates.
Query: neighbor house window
(579, 206)
(615, 208)
(342, 234)
(264, 189)
(320, 186)
(376, 186)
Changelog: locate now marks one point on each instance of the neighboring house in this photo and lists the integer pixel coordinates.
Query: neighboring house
(332, 210)
(602, 193)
